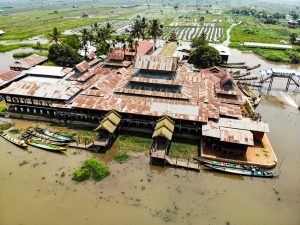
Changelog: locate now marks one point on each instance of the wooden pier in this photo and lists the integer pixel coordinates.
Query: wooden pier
(160, 155)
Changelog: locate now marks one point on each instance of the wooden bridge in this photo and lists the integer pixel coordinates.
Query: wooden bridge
(174, 162)
(290, 75)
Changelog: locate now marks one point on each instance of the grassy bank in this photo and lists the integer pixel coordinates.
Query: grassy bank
(183, 150)
(130, 143)
(19, 55)
(7, 48)
(275, 55)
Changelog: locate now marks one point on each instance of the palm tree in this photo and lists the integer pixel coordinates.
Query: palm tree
(136, 45)
(124, 45)
(85, 38)
(136, 29)
(55, 35)
(155, 30)
(143, 27)
(130, 41)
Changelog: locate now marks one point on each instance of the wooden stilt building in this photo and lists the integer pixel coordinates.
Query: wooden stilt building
(108, 130)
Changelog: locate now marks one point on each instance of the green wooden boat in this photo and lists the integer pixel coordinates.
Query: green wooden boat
(43, 145)
(28, 136)
(54, 135)
(19, 142)
(42, 136)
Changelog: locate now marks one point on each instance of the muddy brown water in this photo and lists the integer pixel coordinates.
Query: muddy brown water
(36, 193)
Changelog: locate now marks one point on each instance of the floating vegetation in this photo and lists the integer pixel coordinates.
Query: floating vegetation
(93, 169)
(5, 126)
(24, 162)
(122, 157)
(15, 131)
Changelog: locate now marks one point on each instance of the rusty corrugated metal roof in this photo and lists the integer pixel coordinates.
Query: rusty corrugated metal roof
(161, 63)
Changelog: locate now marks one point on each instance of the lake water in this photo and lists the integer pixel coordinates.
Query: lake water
(36, 193)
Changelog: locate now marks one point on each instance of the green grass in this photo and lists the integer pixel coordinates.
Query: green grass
(260, 33)
(19, 55)
(49, 64)
(275, 55)
(24, 25)
(7, 48)
(183, 150)
(132, 143)
(3, 106)
(15, 131)
(122, 157)
(92, 168)
(5, 126)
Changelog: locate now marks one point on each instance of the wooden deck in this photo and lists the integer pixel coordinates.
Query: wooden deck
(160, 154)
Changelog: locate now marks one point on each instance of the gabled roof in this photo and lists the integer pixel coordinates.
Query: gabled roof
(161, 63)
(106, 124)
(163, 132)
(82, 67)
(91, 55)
(227, 79)
(114, 117)
(110, 122)
(165, 122)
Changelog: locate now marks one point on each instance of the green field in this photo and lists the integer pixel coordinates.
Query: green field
(24, 25)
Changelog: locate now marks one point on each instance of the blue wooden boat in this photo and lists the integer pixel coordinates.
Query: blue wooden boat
(252, 173)
(54, 135)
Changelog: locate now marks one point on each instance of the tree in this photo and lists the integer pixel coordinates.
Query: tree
(63, 55)
(293, 38)
(205, 56)
(173, 37)
(196, 42)
(85, 40)
(136, 29)
(73, 41)
(55, 35)
(155, 29)
(143, 27)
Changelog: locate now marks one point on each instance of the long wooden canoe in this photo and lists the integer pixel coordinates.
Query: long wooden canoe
(39, 135)
(46, 141)
(42, 145)
(54, 135)
(225, 164)
(252, 173)
(19, 142)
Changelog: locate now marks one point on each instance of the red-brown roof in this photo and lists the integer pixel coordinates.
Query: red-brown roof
(82, 67)
(91, 55)
(145, 47)
(28, 62)
(116, 56)
(9, 76)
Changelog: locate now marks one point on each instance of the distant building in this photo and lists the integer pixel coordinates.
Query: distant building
(293, 24)
(224, 52)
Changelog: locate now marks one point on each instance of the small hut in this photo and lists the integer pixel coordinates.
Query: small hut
(108, 130)
(162, 137)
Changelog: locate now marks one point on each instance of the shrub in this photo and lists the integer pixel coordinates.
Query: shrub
(122, 157)
(91, 168)
(5, 126)
(82, 174)
(15, 131)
